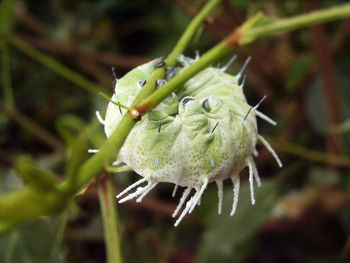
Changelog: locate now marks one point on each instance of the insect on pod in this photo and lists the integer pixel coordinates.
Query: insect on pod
(206, 132)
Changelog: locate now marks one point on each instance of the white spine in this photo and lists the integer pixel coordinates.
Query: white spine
(98, 115)
(220, 186)
(236, 184)
(265, 117)
(131, 187)
(269, 148)
(182, 201)
(251, 182)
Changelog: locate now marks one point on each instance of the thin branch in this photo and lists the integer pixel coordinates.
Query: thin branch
(110, 219)
(120, 61)
(326, 67)
(293, 23)
(306, 153)
(32, 127)
(53, 64)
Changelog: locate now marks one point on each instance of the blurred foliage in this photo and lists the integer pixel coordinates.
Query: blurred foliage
(302, 211)
(227, 238)
(38, 241)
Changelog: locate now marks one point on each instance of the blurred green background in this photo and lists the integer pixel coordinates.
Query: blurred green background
(302, 213)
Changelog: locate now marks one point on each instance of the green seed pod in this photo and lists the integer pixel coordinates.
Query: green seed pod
(205, 132)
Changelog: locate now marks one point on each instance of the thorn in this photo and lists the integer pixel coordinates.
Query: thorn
(160, 62)
(239, 75)
(236, 184)
(269, 148)
(265, 118)
(141, 83)
(246, 114)
(186, 100)
(115, 103)
(224, 68)
(205, 104)
(114, 74)
(257, 105)
(212, 131)
(131, 187)
(174, 191)
(98, 115)
(181, 60)
(170, 72)
(120, 109)
(251, 182)
(114, 86)
(197, 55)
(160, 82)
(220, 185)
(182, 201)
(243, 81)
(160, 126)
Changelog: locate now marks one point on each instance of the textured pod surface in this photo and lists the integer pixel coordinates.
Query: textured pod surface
(205, 132)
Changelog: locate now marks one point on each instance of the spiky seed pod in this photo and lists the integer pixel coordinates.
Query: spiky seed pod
(205, 132)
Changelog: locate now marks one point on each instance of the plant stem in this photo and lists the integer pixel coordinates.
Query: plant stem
(110, 219)
(178, 50)
(53, 64)
(306, 153)
(190, 31)
(296, 22)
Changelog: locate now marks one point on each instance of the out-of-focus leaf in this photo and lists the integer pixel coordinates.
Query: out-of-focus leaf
(6, 15)
(344, 182)
(9, 180)
(319, 176)
(316, 101)
(342, 128)
(241, 3)
(69, 126)
(38, 242)
(316, 107)
(297, 71)
(230, 238)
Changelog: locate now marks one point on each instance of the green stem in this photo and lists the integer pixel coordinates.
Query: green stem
(312, 155)
(190, 31)
(179, 48)
(110, 219)
(53, 64)
(296, 22)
